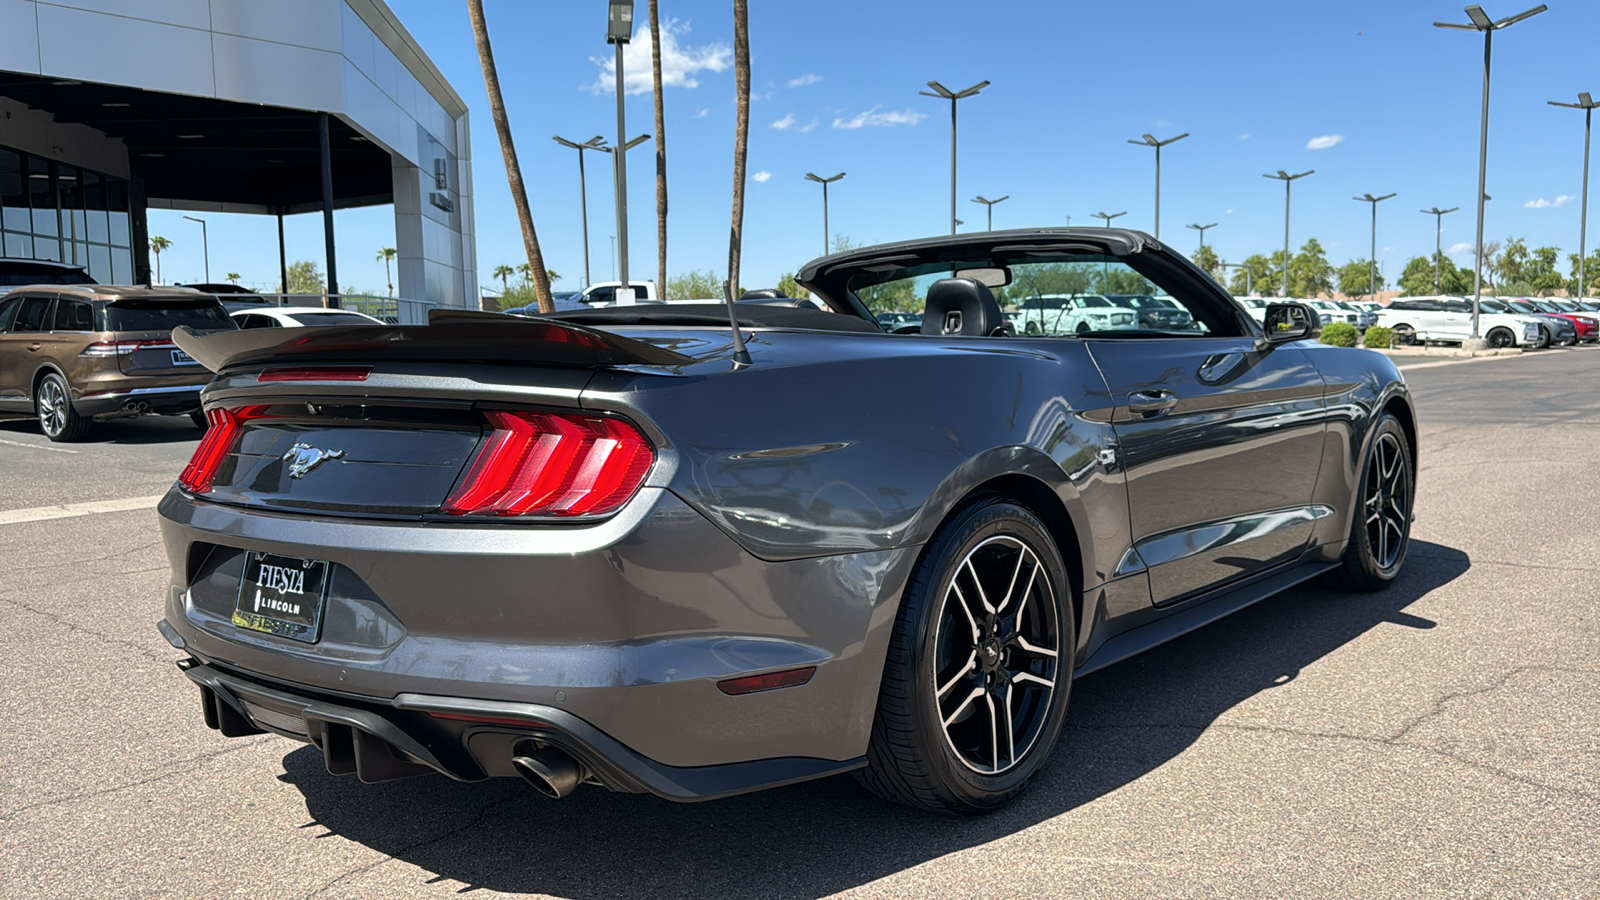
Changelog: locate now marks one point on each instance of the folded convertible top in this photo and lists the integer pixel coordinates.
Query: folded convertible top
(450, 335)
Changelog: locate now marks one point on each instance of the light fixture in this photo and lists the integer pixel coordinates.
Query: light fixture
(188, 137)
(112, 105)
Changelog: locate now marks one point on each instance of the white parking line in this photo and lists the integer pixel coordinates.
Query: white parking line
(36, 446)
(68, 510)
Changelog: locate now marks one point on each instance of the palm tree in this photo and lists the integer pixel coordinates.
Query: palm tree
(502, 127)
(386, 254)
(158, 244)
(502, 273)
(233, 277)
(741, 139)
(661, 152)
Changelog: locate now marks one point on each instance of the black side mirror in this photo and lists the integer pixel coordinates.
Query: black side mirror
(1290, 321)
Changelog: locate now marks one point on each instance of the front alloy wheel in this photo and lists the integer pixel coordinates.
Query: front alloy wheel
(1381, 528)
(1501, 338)
(978, 672)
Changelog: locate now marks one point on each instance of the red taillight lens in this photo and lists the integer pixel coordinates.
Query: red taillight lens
(770, 681)
(326, 373)
(214, 447)
(543, 464)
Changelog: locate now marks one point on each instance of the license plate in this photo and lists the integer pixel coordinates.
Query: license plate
(282, 595)
(180, 358)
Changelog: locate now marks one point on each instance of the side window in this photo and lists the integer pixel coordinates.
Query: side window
(1097, 295)
(73, 315)
(8, 311)
(32, 316)
(254, 321)
(601, 295)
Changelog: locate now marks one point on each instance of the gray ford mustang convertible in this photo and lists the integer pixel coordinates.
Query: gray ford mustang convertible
(638, 548)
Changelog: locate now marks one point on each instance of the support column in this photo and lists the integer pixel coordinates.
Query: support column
(283, 263)
(327, 210)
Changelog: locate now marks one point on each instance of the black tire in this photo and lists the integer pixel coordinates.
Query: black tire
(1501, 338)
(1545, 340)
(1019, 651)
(1404, 335)
(1377, 549)
(198, 417)
(52, 403)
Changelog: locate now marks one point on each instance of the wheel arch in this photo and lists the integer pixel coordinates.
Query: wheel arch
(47, 368)
(1400, 407)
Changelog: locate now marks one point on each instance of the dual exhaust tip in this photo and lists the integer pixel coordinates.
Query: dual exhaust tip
(551, 772)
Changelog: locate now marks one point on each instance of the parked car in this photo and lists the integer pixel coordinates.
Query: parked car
(618, 547)
(301, 316)
(233, 296)
(604, 293)
(1449, 320)
(1155, 312)
(23, 272)
(1072, 314)
(890, 321)
(1558, 328)
(73, 355)
(1255, 306)
(1587, 324)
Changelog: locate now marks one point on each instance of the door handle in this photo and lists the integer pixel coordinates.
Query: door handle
(1151, 402)
(33, 347)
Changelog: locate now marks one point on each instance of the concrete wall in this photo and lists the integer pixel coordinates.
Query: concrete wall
(350, 58)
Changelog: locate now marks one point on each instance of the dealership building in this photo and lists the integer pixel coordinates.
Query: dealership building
(109, 108)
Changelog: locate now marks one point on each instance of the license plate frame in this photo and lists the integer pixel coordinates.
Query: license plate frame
(284, 596)
(180, 358)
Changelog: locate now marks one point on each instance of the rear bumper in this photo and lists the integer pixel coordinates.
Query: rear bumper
(627, 625)
(165, 398)
(416, 734)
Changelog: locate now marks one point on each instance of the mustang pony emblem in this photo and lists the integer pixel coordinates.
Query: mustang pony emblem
(302, 458)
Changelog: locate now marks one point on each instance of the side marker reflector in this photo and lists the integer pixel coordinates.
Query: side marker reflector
(769, 681)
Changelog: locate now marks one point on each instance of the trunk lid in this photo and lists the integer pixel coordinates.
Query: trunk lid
(144, 326)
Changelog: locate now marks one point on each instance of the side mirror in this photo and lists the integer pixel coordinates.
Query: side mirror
(1291, 321)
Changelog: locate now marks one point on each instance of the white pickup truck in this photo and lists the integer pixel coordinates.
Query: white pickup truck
(604, 293)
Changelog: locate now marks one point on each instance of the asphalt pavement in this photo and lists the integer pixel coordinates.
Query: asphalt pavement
(1439, 739)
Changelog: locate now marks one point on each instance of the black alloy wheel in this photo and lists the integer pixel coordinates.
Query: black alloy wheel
(979, 668)
(1501, 338)
(1404, 335)
(1380, 532)
(52, 402)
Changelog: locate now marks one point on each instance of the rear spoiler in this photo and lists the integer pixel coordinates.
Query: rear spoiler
(450, 335)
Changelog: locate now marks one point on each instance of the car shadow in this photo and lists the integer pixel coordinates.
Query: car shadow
(142, 430)
(826, 836)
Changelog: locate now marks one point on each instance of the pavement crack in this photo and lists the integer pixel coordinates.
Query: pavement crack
(140, 649)
(189, 765)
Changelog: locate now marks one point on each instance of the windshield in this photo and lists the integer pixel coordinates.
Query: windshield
(165, 315)
(1495, 306)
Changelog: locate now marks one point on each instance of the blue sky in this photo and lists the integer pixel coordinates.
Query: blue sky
(1366, 92)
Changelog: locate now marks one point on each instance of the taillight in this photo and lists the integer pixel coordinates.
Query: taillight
(545, 464)
(124, 348)
(214, 447)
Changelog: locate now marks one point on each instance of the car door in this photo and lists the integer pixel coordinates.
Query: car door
(1220, 439)
(22, 344)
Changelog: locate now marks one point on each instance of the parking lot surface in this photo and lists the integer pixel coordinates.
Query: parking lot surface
(1438, 739)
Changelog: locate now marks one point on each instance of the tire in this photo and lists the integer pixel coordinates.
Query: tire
(1377, 548)
(958, 753)
(1545, 340)
(1501, 338)
(198, 417)
(1404, 335)
(52, 403)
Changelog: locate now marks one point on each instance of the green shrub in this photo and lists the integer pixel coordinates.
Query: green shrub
(1378, 337)
(1339, 334)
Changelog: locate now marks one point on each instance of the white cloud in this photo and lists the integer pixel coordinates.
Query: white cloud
(1323, 142)
(1228, 211)
(1245, 136)
(1462, 247)
(1542, 203)
(761, 176)
(679, 64)
(803, 80)
(785, 123)
(875, 118)
(809, 126)
(701, 112)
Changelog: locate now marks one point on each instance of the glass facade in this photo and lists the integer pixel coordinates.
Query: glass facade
(53, 211)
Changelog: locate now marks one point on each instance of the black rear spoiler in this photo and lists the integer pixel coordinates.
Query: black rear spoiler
(450, 335)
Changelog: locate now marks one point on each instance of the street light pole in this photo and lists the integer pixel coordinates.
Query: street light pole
(1372, 261)
(945, 93)
(1482, 22)
(1150, 141)
(1287, 180)
(595, 143)
(1438, 229)
(1248, 287)
(990, 204)
(1587, 104)
(205, 245)
(824, 182)
(619, 32)
(1202, 230)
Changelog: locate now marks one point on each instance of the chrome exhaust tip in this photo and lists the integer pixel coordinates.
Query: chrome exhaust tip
(551, 772)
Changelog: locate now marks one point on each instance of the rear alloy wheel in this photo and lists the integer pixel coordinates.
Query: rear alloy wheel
(1380, 531)
(1501, 338)
(57, 419)
(1404, 335)
(979, 667)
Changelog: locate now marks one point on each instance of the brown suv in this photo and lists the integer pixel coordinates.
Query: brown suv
(75, 354)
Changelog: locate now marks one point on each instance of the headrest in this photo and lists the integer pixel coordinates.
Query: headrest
(961, 306)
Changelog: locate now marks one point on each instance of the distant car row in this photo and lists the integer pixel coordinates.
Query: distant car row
(1502, 321)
